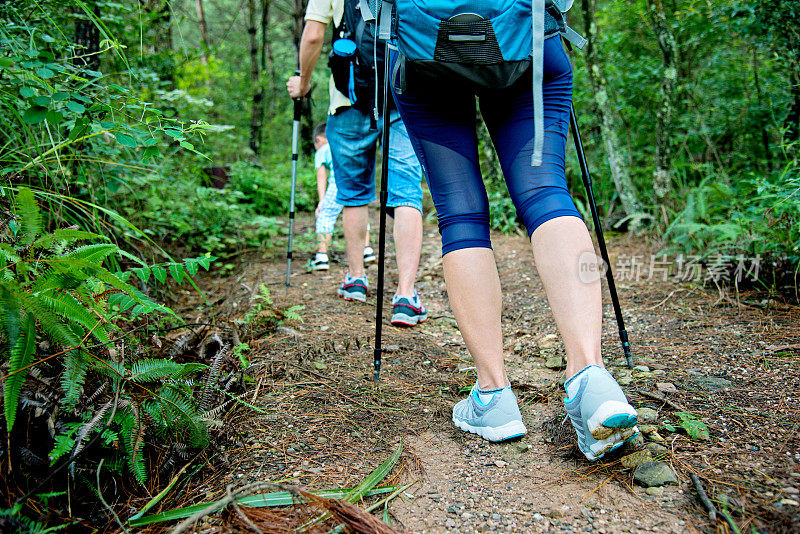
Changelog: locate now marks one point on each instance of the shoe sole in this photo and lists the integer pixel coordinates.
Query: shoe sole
(512, 429)
(354, 296)
(401, 319)
(322, 268)
(370, 259)
(600, 449)
(611, 417)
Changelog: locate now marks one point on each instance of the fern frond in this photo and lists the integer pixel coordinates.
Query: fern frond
(213, 373)
(94, 253)
(66, 236)
(64, 442)
(49, 322)
(22, 349)
(70, 308)
(8, 253)
(57, 278)
(29, 214)
(132, 434)
(154, 369)
(75, 366)
(181, 408)
(84, 431)
(10, 313)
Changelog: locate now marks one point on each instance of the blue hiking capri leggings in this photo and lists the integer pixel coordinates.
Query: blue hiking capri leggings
(440, 119)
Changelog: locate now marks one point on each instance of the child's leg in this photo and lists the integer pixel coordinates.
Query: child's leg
(323, 242)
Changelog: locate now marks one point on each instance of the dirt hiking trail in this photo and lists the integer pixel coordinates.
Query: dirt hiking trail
(729, 362)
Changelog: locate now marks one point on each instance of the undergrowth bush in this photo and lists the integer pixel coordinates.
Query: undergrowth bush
(756, 216)
(177, 209)
(268, 188)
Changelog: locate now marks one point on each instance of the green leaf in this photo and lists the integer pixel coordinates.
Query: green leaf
(160, 273)
(75, 107)
(143, 273)
(45, 73)
(125, 139)
(187, 145)
(693, 426)
(173, 133)
(191, 266)
(27, 92)
(43, 101)
(60, 95)
(264, 500)
(34, 115)
(81, 125)
(205, 261)
(176, 270)
(6, 63)
(118, 88)
(54, 117)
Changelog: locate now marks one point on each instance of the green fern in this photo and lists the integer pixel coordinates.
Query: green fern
(152, 370)
(21, 356)
(28, 212)
(57, 285)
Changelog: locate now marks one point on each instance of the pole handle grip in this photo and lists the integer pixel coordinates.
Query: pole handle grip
(298, 102)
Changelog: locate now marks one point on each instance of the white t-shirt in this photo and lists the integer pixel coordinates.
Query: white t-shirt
(327, 11)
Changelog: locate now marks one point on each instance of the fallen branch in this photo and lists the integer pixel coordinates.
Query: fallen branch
(661, 398)
(701, 493)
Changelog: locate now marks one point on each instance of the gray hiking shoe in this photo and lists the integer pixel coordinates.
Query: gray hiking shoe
(497, 420)
(599, 412)
(354, 288)
(408, 311)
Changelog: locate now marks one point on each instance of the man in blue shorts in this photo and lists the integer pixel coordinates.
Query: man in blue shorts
(353, 137)
(328, 209)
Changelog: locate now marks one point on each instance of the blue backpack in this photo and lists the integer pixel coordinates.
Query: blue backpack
(484, 43)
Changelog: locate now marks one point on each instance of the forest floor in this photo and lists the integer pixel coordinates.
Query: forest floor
(732, 360)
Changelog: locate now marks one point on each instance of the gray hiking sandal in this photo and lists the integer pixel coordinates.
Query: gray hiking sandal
(498, 419)
(599, 412)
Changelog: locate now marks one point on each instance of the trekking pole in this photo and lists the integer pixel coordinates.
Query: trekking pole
(384, 199)
(295, 141)
(612, 288)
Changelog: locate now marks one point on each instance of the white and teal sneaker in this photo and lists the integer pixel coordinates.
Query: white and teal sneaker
(599, 412)
(493, 414)
(354, 288)
(408, 311)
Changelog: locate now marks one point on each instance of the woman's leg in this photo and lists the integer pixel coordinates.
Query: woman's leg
(441, 126)
(558, 235)
(474, 290)
(559, 245)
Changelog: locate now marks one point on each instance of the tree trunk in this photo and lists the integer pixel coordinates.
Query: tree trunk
(662, 180)
(266, 61)
(87, 37)
(762, 116)
(201, 18)
(609, 124)
(159, 36)
(255, 80)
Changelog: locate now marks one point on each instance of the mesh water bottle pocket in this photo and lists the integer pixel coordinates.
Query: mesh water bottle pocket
(467, 42)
